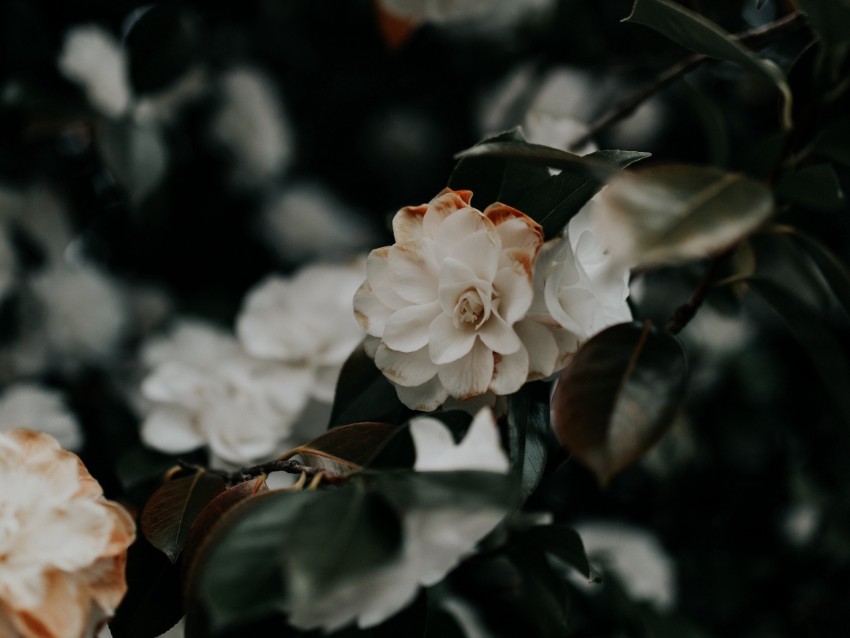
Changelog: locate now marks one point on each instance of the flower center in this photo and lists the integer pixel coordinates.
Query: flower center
(472, 309)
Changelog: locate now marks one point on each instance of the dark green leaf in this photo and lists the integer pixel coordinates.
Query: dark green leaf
(465, 490)
(544, 592)
(364, 394)
(814, 187)
(695, 32)
(825, 351)
(829, 18)
(496, 179)
(142, 464)
(239, 575)
(619, 396)
(153, 603)
(836, 274)
(555, 201)
(171, 510)
(344, 449)
(528, 428)
(560, 541)
(833, 141)
(342, 535)
(672, 213)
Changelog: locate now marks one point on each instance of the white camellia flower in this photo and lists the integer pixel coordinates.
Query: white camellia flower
(581, 292)
(441, 303)
(26, 405)
(94, 59)
(435, 540)
(63, 546)
(305, 320)
(206, 391)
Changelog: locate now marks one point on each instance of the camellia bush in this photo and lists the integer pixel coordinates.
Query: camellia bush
(422, 318)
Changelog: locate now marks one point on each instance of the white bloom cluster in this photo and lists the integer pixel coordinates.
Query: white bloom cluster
(435, 540)
(466, 302)
(242, 398)
(27, 405)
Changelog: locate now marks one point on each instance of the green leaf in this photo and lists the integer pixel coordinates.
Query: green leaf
(528, 427)
(171, 510)
(555, 201)
(825, 351)
(560, 541)
(618, 396)
(829, 18)
(345, 533)
(496, 179)
(152, 605)
(344, 449)
(672, 213)
(463, 489)
(363, 393)
(814, 187)
(239, 576)
(544, 592)
(697, 33)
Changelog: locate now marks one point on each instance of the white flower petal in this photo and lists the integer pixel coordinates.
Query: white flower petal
(447, 343)
(406, 369)
(378, 273)
(413, 271)
(171, 429)
(540, 345)
(371, 313)
(425, 398)
(515, 291)
(480, 448)
(480, 252)
(407, 223)
(470, 375)
(441, 207)
(407, 329)
(510, 371)
(461, 225)
(499, 336)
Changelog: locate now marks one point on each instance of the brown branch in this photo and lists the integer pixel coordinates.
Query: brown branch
(751, 37)
(243, 474)
(683, 315)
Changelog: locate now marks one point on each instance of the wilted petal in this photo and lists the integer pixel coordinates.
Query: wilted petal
(447, 343)
(516, 230)
(426, 397)
(406, 369)
(443, 205)
(407, 329)
(470, 375)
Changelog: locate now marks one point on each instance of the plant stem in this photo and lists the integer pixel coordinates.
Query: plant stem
(752, 37)
(247, 473)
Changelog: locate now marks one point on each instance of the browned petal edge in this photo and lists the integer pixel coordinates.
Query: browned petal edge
(447, 196)
(63, 612)
(407, 222)
(395, 29)
(523, 260)
(499, 213)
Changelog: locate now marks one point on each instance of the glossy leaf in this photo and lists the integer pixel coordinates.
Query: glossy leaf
(697, 33)
(555, 201)
(673, 213)
(363, 393)
(344, 449)
(339, 536)
(619, 396)
(528, 428)
(814, 187)
(171, 510)
(248, 541)
(826, 353)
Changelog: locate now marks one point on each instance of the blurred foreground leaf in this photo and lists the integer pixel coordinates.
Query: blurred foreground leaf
(528, 427)
(815, 187)
(363, 393)
(619, 396)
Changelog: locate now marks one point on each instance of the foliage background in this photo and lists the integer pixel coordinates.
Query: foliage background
(759, 440)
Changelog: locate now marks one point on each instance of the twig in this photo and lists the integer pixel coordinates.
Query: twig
(751, 37)
(683, 315)
(290, 466)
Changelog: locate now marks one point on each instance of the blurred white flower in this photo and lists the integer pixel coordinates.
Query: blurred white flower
(635, 556)
(307, 221)
(93, 58)
(63, 547)
(556, 131)
(252, 125)
(26, 405)
(448, 11)
(162, 107)
(581, 291)
(441, 303)
(206, 391)
(305, 320)
(435, 540)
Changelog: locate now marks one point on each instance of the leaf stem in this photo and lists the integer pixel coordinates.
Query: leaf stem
(752, 37)
(683, 315)
(290, 466)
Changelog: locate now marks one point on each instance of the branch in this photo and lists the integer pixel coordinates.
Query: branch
(751, 37)
(241, 475)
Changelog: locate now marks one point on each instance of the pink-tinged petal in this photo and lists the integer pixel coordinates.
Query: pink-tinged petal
(378, 276)
(442, 206)
(407, 223)
(469, 376)
(171, 429)
(499, 336)
(510, 372)
(516, 292)
(480, 252)
(405, 368)
(413, 271)
(516, 230)
(447, 343)
(407, 329)
(460, 224)
(425, 398)
(541, 346)
(370, 312)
